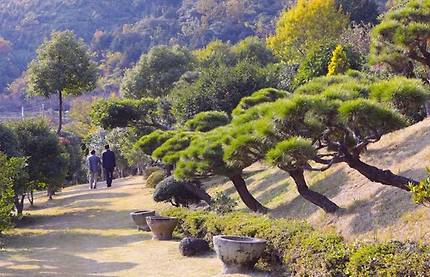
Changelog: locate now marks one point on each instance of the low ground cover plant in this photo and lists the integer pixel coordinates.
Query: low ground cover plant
(295, 248)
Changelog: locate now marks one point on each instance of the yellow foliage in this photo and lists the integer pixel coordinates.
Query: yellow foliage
(339, 62)
(214, 48)
(308, 24)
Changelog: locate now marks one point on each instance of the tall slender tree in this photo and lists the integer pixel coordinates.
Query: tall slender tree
(63, 67)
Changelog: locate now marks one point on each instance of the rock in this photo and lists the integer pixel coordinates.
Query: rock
(193, 247)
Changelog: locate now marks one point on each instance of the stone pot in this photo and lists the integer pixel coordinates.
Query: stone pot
(238, 254)
(139, 217)
(161, 226)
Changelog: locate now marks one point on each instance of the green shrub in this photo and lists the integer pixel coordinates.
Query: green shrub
(7, 173)
(8, 142)
(390, 259)
(406, 95)
(262, 96)
(155, 178)
(206, 121)
(318, 85)
(296, 249)
(149, 170)
(322, 253)
(421, 192)
(315, 64)
(222, 204)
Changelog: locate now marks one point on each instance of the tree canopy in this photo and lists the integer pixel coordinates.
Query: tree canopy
(120, 113)
(156, 72)
(308, 24)
(402, 37)
(63, 67)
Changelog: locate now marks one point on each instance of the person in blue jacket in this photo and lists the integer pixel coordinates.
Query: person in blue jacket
(109, 164)
(93, 164)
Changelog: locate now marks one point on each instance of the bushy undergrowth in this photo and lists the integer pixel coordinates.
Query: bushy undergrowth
(421, 192)
(222, 204)
(155, 177)
(295, 248)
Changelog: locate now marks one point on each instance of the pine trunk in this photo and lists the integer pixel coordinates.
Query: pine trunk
(246, 196)
(60, 112)
(374, 174)
(312, 196)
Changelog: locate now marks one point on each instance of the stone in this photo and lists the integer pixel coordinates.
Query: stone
(193, 247)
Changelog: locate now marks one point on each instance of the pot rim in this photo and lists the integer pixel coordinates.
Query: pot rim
(142, 212)
(161, 218)
(240, 239)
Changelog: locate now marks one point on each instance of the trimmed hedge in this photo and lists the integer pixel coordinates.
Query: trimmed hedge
(295, 248)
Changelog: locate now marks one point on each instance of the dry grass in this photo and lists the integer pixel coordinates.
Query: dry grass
(371, 211)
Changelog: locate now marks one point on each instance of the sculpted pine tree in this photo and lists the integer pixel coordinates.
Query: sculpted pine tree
(62, 67)
(204, 158)
(332, 124)
(402, 38)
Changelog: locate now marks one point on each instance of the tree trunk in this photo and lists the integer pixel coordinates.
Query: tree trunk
(30, 198)
(60, 112)
(51, 191)
(374, 174)
(199, 192)
(246, 196)
(18, 202)
(312, 196)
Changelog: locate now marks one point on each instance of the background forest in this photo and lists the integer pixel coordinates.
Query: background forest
(118, 32)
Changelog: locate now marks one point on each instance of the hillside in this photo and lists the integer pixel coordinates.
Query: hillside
(127, 26)
(370, 211)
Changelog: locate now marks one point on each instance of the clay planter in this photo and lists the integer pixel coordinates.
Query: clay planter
(238, 254)
(139, 217)
(162, 227)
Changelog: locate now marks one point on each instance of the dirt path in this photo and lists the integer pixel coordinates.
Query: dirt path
(90, 233)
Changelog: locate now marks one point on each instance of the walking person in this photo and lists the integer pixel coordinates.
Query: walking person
(93, 163)
(109, 164)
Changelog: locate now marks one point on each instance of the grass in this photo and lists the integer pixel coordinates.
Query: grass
(370, 210)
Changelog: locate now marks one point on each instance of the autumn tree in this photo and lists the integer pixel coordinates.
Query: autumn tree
(339, 62)
(63, 67)
(308, 24)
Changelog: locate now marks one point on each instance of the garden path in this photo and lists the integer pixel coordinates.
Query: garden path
(90, 233)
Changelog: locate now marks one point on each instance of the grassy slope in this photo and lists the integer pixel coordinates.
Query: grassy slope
(371, 211)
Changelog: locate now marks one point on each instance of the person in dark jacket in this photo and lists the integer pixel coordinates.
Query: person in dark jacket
(109, 163)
